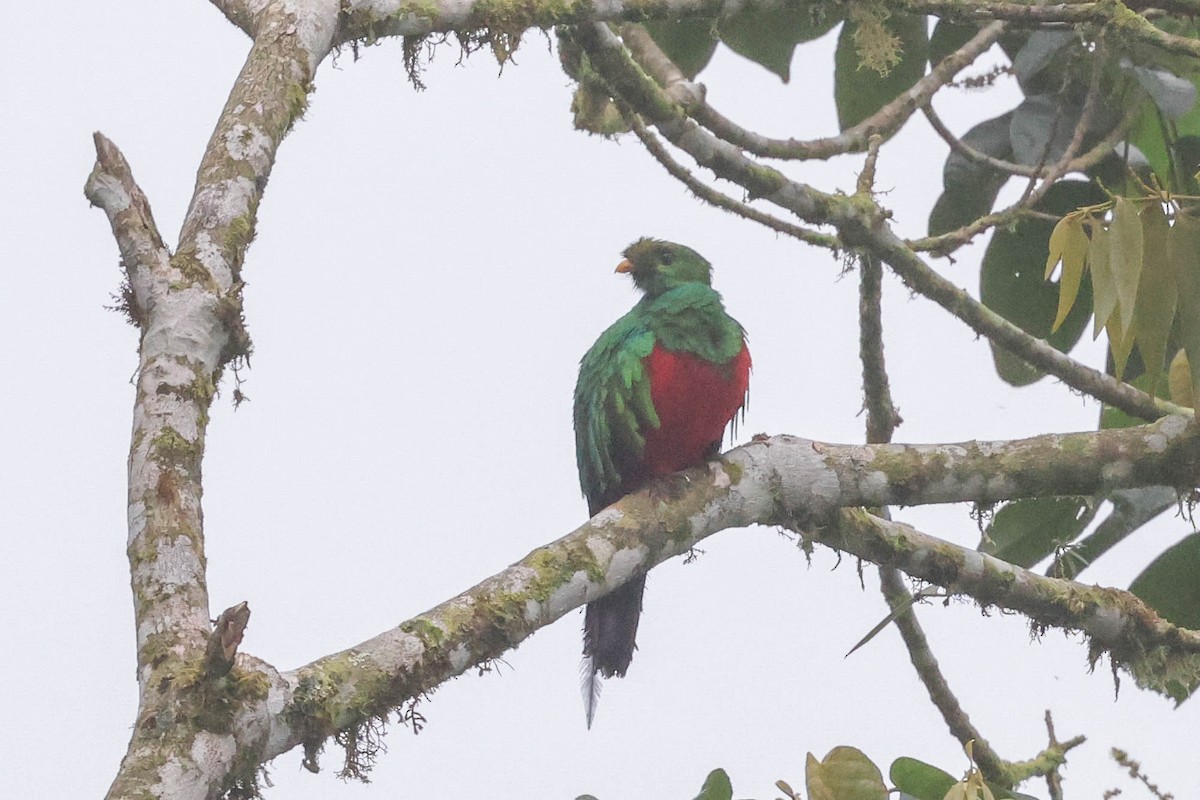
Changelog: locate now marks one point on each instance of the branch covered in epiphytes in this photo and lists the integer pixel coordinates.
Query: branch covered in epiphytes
(860, 223)
(188, 306)
(884, 122)
(375, 19)
(112, 188)
(804, 486)
(795, 483)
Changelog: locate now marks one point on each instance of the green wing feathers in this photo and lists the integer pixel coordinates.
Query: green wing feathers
(612, 408)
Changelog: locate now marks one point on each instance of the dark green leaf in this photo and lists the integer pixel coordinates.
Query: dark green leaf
(1174, 96)
(690, 43)
(1012, 281)
(1032, 126)
(922, 781)
(1147, 135)
(1039, 50)
(1132, 508)
(964, 204)
(1125, 257)
(1189, 123)
(716, 787)
(1183, 246)
(990, 137)
(859, 90)
(1104, 283)
(947, 37)
(1171, 583)
(971, 187)
(1024, 532)
(1156, 296)
(770, 37)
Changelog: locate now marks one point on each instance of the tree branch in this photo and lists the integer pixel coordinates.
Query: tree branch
(719, 199)
(883, 122)
(375, 19)
(188, 306)
(796, 483)
(941, 695)
(242, 13)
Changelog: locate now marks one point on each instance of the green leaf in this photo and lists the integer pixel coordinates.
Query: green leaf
(1041, 129)
(1104, 285)
(1012, 281)
(770, 37)
(971, 187)
(922, 781)
(859, 90)
(844, 774)
(1147, 135)
(690, 43)
(1120, 342)
(1035, 56)
(1183, 249)
(1156, 296)
(1069, 244)
(1170, 584)
(717, 786)
(990, 137)
(1024, 532)
(1132, 508)
(947, 37)
(963, 204)
(1125, 257)
(1174, 96)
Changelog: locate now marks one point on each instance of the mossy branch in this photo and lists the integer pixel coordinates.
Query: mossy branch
(801, 485)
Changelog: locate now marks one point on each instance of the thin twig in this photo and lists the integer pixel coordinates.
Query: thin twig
(719, 199)
(930, 674)
(882, 416)
(884, 122)
(947, 243)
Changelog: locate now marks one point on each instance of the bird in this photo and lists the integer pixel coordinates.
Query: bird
(654, 396)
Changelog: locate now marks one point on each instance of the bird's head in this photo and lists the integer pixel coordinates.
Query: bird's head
(657, 266)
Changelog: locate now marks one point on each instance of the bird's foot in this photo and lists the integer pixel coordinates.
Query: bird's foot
(665, 488)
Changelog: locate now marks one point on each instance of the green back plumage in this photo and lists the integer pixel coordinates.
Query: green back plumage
(613, 406)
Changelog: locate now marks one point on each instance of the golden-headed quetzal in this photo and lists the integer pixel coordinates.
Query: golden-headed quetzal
(654, 395)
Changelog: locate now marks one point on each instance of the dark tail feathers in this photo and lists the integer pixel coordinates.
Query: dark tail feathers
(609, 638)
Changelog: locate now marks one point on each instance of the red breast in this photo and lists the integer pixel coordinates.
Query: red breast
(695, 400)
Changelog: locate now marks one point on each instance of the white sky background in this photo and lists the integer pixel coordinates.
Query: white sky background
(428, 270)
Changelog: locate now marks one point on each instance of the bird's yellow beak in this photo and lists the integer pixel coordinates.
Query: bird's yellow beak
(625, 266)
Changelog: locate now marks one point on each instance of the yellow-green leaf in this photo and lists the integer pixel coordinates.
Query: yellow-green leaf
(1058, 242)
(1183, 249)
(1155, 309)
(1104, 285)
(844, 774)
(1120, 341)
(1125, 256)
(1179, 380)
(1073, 245)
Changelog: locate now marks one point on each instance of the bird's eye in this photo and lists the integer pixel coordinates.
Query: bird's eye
(665, 258)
